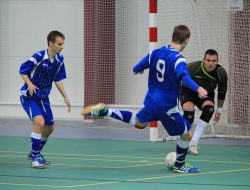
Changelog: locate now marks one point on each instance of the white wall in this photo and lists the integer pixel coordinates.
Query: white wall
(24, 25)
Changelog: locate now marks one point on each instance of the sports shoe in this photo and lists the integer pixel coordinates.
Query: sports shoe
(95, 110)
(45, 161)
(185, 168)
(38, 162)
(193, 149)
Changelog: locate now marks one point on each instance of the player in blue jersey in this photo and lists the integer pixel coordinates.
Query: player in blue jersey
(38, 73)
(167, 72)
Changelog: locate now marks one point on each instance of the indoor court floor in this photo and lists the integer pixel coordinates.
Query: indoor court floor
(104, 164)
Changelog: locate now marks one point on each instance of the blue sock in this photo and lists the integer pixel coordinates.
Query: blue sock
(181, 152)
(35, 143)
(125, 116)
(43, 142)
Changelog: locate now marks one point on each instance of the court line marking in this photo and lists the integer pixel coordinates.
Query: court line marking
(73, 158)
(89, 166)
(129, 180)
(130, 157)
(86, 155)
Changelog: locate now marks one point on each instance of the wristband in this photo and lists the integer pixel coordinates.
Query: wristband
(219, 109)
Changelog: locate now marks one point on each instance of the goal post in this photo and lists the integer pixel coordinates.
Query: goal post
(153, 130)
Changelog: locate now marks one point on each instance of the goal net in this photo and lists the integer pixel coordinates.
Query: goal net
(116, 38)
(224, 26)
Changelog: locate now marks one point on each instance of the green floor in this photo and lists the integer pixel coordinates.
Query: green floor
(120, 165)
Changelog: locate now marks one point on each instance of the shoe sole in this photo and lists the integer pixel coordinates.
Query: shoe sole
(88, 109)
(180, 171)
(38, 167)
(173, 169)
(46, 163)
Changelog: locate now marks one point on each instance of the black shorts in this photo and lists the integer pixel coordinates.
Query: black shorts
(188, 95)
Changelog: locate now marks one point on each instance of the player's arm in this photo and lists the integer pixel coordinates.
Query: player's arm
(142, 65)
(191, 84)
(61, 74)
(60, 87)
(184, 76)
(222, 90)
(31, 87)
(26, 68)
(218, 111)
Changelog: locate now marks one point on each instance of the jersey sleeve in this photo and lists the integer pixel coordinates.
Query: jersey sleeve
(222, 85)
(145, 62)
(183, 74)
(61, 74)
(142, 65)
(28, 65)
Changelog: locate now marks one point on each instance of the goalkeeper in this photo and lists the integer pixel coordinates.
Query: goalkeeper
(208, 74)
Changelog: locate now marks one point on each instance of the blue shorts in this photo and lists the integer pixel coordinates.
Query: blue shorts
(35, 107)
(174, 123)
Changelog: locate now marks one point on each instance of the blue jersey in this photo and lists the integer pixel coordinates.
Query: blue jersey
(42, 72)
(167, 67)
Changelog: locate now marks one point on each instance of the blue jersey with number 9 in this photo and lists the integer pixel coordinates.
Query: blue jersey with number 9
(166, 69)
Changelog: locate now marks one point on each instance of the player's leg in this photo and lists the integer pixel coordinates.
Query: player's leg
(48, 127)
(36, 135)
(33, 111)
(188, 111)
(207, 109)
(122, 115)
(188, 100)
(48, 130)
(188, 114)
(44, 138)
(176, 125)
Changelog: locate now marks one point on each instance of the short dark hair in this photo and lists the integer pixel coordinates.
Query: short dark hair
(211, 52)
(53, 35)
(180, 34)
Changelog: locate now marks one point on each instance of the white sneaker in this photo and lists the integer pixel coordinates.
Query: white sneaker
(193, 149)
(38, 162)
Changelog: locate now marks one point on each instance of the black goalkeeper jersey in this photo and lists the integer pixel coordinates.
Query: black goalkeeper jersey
(209, 80)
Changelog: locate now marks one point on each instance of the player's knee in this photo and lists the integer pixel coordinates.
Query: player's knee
(189, 116)
(207, 113)
(137, 124)
(39, 122)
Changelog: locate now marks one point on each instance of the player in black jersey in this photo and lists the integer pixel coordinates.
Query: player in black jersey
(210, 75)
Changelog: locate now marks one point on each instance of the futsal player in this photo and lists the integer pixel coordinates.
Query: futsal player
(39, 72)
(167, 70)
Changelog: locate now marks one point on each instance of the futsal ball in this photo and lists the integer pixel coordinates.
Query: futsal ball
(170, 159)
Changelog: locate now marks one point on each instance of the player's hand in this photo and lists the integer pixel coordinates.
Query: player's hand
(217, 117)
(67, 102)
(202, 92)
(32, 88)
